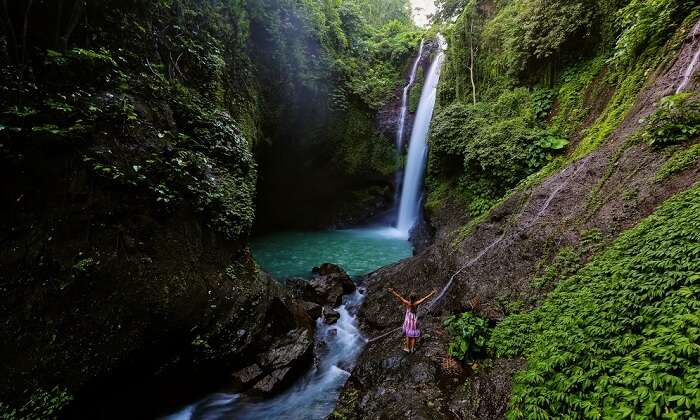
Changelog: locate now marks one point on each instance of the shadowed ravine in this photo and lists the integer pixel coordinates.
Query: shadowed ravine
(359, 250)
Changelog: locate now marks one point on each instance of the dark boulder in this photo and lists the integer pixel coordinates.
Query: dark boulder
(277, 367)
(330, 315)
(329, 284)
(300, 288)
(312, 309)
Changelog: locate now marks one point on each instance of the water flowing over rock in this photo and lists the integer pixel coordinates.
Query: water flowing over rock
(409, 206)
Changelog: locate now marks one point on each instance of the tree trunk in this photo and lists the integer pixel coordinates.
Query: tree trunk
(472, 54)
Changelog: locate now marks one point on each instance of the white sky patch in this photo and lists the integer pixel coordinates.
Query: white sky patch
(421, 9)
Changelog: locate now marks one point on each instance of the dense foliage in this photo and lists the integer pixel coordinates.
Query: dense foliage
(213, 83)
(676, 120)
(525, 79)
(620, 338)
(469, 336)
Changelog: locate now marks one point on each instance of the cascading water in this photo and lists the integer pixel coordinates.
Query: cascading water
(409, 206)
(404, 99)
(313, 396)
(402, 117)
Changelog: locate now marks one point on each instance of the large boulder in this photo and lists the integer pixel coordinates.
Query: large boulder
(277, 367)
(329, 284)
(326, 288)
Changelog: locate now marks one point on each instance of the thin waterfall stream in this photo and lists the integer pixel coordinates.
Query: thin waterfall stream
(690, 70)
(286, 254)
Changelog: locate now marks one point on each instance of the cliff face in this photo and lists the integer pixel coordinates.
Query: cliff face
(491, 267)
(128, 196)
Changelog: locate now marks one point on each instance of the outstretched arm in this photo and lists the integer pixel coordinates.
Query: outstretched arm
(418, 302)
(398, 296)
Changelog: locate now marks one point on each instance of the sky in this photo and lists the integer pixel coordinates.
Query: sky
(421, 10)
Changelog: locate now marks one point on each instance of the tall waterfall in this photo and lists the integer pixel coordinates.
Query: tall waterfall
(402, 123)
(409, 207)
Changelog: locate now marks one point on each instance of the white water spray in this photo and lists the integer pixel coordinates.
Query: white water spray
(409, 207)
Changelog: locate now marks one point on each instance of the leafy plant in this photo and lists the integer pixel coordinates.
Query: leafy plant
(469, 336)
(542, 100)
(677, 119)
(618, 339)
(542, 150)
(679, 161)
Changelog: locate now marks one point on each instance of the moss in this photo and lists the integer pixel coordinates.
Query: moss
(619, 106)
(679, 161)
(571, 95)
(345, 408)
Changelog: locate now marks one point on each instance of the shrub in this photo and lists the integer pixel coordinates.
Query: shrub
(469, 336)
(676, 120)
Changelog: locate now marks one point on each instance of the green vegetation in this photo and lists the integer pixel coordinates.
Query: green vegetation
(676, 120)
(619, 338)
(526, 81)
(40, 405)
(681, 160)
(469, 336)
(486, 148)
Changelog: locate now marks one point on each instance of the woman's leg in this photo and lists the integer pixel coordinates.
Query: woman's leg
(407, 344)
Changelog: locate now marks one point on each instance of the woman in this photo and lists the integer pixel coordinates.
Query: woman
(411, 327)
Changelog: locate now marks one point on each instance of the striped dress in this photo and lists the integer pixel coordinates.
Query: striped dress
(410, 324)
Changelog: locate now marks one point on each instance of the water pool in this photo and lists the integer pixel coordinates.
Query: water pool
(358, 251)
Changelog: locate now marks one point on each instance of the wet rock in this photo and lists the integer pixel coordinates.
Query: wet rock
(423, 373)
(330, 315)
(280, 365)
(247, 375)
(292, 349)
(273, 382)
(314, 310)
(327, 269)
(330, 284)
(300, 288)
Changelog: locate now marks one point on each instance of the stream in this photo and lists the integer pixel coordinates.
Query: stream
(314, 395)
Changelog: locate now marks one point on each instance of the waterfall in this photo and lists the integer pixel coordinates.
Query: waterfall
(693, 62)
(409, 206)
(404, 99)
(402, 123)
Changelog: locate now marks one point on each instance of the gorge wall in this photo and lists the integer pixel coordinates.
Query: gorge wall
(136, 141)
